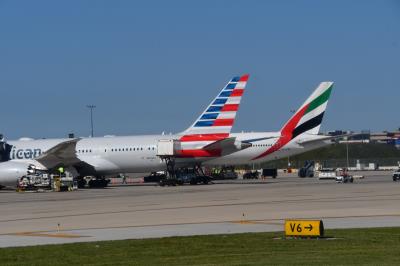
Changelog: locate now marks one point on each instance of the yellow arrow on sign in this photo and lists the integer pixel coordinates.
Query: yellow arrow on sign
(304, 228)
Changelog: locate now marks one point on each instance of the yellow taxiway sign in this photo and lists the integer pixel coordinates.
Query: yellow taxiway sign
(304, 228)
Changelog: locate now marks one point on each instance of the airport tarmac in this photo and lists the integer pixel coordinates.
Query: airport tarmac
(147, 210)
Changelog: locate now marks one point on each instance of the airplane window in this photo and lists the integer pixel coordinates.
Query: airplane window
(142, 148)
(90, 150)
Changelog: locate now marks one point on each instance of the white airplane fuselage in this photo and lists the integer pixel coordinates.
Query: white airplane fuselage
(137, 154)
(208, 141)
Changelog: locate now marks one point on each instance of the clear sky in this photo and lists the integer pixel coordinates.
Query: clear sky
(153, 66)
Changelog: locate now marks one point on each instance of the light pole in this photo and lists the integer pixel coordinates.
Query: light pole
(91, 107)
(288, 158)
(347, 153)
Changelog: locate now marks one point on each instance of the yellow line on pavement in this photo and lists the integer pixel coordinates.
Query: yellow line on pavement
(256, 222)
(244, 222)
(59, 235)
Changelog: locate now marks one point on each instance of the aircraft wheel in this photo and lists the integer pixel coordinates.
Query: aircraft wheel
(81, 182)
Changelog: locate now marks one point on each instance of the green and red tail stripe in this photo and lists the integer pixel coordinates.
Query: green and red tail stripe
(307, 119)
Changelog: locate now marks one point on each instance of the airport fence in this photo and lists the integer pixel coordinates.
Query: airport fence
(332, 163)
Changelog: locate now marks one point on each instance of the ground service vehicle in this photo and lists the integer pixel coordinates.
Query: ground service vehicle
(307, 170)
(396, 175)
(344, 177)
(270, 172)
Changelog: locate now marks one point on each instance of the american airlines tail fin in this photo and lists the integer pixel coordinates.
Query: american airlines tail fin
(219, 116)
(308, 117)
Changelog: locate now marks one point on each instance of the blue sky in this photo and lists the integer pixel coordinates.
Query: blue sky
(153, 66)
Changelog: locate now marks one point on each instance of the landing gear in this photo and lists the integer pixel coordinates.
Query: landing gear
(170, 179)
(201, 177)
(170, 162)
(81, 182)
(98, 182)
(192, 176)
(169, 182)
(92, 182)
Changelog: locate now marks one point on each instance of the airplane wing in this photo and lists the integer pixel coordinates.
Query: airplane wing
(63, 153)
(227, 145)
(322, 138)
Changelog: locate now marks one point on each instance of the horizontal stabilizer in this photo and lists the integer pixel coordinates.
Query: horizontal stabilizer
(317, 138)
(227, 146)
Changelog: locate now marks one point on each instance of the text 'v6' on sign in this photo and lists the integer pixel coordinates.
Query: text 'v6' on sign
(304, 228)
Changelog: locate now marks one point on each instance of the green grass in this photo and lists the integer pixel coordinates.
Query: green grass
(378, 246)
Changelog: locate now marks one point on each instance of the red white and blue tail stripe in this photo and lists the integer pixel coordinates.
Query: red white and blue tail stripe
(219, 116)
(215, 123)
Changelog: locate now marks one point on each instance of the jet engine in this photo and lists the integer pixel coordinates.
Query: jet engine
(11, 171)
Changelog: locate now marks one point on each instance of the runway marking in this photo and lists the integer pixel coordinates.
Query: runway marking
(257, 222)
(293, 201)
(57, 235)
(243, 222)
(277, 221)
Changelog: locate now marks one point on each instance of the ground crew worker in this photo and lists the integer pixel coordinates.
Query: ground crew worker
(123, 179)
